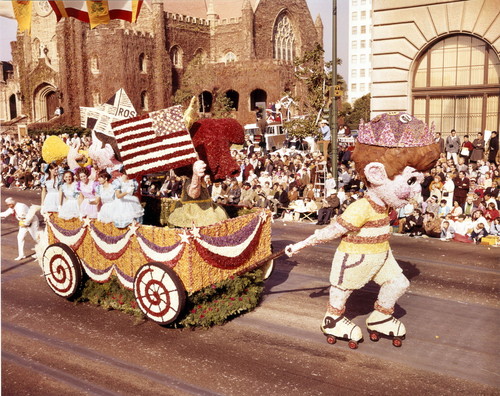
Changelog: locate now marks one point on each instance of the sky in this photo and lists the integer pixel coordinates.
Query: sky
(317, 7)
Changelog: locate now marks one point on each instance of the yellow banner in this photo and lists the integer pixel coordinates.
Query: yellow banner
(22, 12)
(98, 12)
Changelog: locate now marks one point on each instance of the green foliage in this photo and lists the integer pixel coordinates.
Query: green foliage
(214, 305)
(361, 110)
(218, 303)
(110, 295)
(223, 107)
(317, 79)
(192, 81)
(65, 129)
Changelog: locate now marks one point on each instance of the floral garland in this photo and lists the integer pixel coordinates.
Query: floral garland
(163, 254)
(231, 251)
(200, 256)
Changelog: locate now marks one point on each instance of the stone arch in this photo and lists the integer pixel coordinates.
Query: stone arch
(284, 38)
(258, 96)
(206, 99)
(143, 62)
(45, 102)
(202, 54)
(144, 101)
(177, 55)
(455, 83)
(13, 106)
(234, 97)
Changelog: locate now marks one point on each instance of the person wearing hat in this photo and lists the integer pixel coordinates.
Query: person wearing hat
(28, 222)
(325, 130)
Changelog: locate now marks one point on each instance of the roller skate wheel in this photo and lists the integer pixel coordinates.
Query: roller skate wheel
(374, 336)
(331, 339)
(353, 344)
(397, 342)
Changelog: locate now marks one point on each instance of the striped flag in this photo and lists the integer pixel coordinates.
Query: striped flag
(97, 12)
(154, 142)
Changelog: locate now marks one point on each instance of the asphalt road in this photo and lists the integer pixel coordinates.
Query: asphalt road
(53, 347)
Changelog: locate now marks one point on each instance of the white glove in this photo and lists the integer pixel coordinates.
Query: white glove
(199, 168)
(290, 250)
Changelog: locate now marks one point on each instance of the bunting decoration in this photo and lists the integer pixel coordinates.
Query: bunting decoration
(97, 12)
(22, 12)
(199, 256)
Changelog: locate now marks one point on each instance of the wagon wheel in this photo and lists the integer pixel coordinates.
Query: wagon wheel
(62, 269)
(159, 293)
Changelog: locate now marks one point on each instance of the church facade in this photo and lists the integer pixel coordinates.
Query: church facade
(246, 47)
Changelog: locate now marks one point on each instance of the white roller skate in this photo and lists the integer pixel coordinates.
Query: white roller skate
(385, 325)
(338, 326)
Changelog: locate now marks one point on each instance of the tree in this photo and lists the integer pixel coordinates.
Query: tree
(361, 110)
(192, 81)
(316, 78)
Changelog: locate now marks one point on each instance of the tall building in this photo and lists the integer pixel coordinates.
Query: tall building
(247, 48)
(360, 37)
(438, 60)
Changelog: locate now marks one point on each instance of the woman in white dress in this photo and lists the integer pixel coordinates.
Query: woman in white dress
(50, 190)
(105, 197)
(68, 197)
(127, 208)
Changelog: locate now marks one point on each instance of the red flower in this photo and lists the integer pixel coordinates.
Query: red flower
(202, 316)
(193, 311)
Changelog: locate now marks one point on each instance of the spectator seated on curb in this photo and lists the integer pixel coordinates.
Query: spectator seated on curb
(447, 231)
(432, 225)
(478, 233)
(443, 209)
(495, 227)
(414, 224)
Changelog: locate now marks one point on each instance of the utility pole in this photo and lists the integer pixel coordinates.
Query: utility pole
(333, 108)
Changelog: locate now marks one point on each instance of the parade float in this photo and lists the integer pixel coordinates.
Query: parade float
(165, 267)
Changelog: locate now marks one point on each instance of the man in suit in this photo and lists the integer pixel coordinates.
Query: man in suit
(452, 146)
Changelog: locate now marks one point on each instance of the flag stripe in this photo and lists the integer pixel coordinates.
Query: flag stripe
(154, 142)
(132, 151)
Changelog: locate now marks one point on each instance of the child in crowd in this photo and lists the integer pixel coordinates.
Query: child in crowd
(447, 231)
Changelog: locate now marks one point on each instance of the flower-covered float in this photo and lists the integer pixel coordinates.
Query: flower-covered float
(163, 266)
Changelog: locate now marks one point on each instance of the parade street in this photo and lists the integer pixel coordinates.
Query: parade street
(51, 346)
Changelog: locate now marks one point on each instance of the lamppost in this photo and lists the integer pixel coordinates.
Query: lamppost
(333, 108)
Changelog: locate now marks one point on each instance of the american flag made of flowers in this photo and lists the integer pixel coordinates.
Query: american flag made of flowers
(154, 142)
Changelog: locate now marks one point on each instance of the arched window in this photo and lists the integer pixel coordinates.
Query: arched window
(202, 54)
(456, 85)
(144, 100)
(229, 57)
(176, 55)
(143, 63)
(206, 98)
(94, 64)
(258, 98)
(283, 39)
(13, 106)
(234, 97)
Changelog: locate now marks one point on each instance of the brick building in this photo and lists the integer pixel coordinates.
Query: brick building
(247, 47)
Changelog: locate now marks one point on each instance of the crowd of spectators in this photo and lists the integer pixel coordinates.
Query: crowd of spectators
(459, 200)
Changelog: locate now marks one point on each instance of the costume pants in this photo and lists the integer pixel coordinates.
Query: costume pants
(21, 235)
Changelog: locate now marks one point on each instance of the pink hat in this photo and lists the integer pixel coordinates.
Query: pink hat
(397, 129)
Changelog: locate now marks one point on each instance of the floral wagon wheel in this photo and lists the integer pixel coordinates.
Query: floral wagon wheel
(62, 269)
(159, 292)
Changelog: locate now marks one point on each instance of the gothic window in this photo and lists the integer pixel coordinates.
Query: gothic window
(234, 97)
(144, 100)
(143, 63)
(202, 54)
(94, 64)
(258, 99)
(283, 39)
(456, 83)
(176, 56)
(229, 57)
